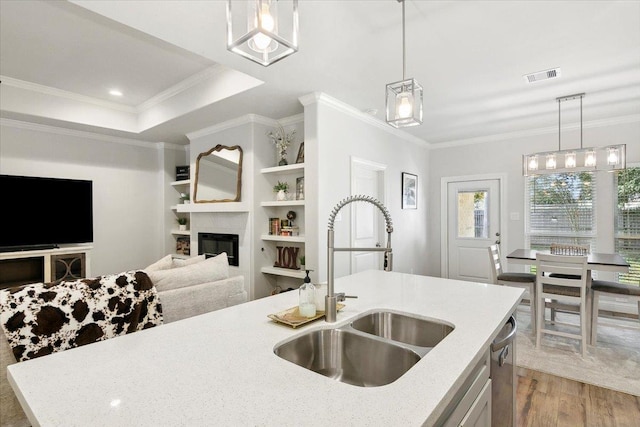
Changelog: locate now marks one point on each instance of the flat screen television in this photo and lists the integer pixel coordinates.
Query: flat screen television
(41, 213)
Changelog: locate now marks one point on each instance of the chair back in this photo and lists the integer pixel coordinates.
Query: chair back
(496, 265)
(562, 249)
(567, 270)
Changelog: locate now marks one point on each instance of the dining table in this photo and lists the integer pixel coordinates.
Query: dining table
(612, 262)
(595, 261)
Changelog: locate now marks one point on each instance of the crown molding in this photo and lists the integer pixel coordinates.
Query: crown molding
(323, 98)
(47, 90)
(185, 84)
(86, 135)
(244, 120)
(633, 118)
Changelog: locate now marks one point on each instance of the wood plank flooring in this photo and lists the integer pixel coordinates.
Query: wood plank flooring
(548, 400)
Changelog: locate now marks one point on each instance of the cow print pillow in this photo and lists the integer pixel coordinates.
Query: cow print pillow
(44, 318)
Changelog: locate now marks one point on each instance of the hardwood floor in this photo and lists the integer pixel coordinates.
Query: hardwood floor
(548, 400)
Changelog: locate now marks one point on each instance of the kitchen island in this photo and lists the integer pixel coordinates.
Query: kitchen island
(220, 368)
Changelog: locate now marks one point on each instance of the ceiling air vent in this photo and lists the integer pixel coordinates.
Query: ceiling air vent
(542, 75)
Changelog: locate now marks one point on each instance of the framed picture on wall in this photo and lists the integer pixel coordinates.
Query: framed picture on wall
(409, 191)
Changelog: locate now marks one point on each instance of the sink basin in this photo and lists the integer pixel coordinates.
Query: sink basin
(402, 328)
(349, 357)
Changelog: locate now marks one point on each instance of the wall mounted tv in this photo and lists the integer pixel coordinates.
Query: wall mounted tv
(41, 213)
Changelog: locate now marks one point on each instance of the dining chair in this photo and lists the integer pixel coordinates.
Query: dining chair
(568, 286)
(614, 289)
(519, 280)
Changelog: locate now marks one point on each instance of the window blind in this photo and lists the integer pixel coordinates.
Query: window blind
(627, 222)
(561, 209)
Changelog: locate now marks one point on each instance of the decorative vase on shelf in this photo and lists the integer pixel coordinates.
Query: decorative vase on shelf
(283, 158)
(281, 195)
(183, 227)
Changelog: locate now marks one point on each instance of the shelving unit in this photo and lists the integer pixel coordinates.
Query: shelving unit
(182, 186)
(278, 208)
(291, 239)
(286, 272)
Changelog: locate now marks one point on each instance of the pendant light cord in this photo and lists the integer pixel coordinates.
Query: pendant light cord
(404, 60)
(559, 132)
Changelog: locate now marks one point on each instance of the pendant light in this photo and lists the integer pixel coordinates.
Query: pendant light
(610, 158)
(264, 31)
(404, 98)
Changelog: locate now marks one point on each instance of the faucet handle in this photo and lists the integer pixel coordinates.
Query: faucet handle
(340, 296)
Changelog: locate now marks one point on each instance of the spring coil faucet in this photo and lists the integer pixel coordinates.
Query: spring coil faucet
(331, 300)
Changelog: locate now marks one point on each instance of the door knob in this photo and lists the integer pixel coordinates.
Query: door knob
(498, 234)
(378, 244)
(498, 242)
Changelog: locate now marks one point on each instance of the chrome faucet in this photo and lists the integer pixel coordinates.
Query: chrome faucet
(331, 300)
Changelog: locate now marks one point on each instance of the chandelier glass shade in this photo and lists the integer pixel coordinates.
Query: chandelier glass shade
(263, 31)
(609, 158)
(403, 100)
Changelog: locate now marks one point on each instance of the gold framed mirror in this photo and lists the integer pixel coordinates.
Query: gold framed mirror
(218, 175)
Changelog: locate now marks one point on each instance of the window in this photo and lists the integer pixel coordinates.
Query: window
(561, 209)
(473, 214)
(627, 222)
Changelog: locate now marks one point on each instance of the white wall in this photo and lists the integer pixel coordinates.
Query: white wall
(334, 133)
(500, 155)
(127, 196)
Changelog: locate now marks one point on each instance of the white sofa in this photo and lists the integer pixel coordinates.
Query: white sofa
(185, 288)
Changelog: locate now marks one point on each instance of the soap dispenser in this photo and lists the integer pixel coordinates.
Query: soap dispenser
(307, 295)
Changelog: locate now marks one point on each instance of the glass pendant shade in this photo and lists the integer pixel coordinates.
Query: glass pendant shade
(551, 161)
(264, 31)
(613, 156)
(590, 158)
(404, 103)
(570, 160)
(533, 163)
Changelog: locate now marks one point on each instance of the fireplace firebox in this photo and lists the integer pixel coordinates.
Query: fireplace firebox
(212, 244)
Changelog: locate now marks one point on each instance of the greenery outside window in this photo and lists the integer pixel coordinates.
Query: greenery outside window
(561, 209)
(627, 223)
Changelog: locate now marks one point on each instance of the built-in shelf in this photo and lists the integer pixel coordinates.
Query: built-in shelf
(214, 207)
(294, 168)
(298, 239)
(182, 182)
(298, 274)
(283, 203)
(181, 232)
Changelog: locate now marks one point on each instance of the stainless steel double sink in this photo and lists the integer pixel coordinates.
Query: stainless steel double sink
(373, 350)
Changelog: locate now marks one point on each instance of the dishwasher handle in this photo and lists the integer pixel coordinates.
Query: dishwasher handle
(495, 346)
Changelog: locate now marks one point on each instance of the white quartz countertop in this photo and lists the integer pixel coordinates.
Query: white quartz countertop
(220, 368)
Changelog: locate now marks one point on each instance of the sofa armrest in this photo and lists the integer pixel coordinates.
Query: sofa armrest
(178, 304)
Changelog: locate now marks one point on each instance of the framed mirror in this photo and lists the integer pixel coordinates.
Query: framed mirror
(218, 175)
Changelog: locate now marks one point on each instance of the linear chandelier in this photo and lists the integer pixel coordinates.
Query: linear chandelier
(609, 158)
(404, 98)
(267, 30)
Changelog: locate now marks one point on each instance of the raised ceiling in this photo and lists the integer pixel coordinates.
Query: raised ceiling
(59, 59)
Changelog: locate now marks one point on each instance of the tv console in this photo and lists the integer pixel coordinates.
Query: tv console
(21, 267)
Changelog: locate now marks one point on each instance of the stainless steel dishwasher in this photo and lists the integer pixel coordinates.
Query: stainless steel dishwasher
(503, 376)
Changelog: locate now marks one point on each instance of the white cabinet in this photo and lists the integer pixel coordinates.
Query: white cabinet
(471, 405)
(275, 237)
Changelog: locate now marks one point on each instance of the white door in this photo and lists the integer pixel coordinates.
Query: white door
(367, 222)
(473, 223)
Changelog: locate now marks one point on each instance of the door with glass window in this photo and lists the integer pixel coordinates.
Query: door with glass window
(473, 212)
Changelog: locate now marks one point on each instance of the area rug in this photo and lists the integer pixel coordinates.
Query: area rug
(613, 363)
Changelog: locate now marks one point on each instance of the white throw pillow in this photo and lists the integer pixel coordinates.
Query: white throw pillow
(178, 262)
(162, 264)
(209, 270)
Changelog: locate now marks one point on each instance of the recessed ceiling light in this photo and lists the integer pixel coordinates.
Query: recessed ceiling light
(115, 92)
